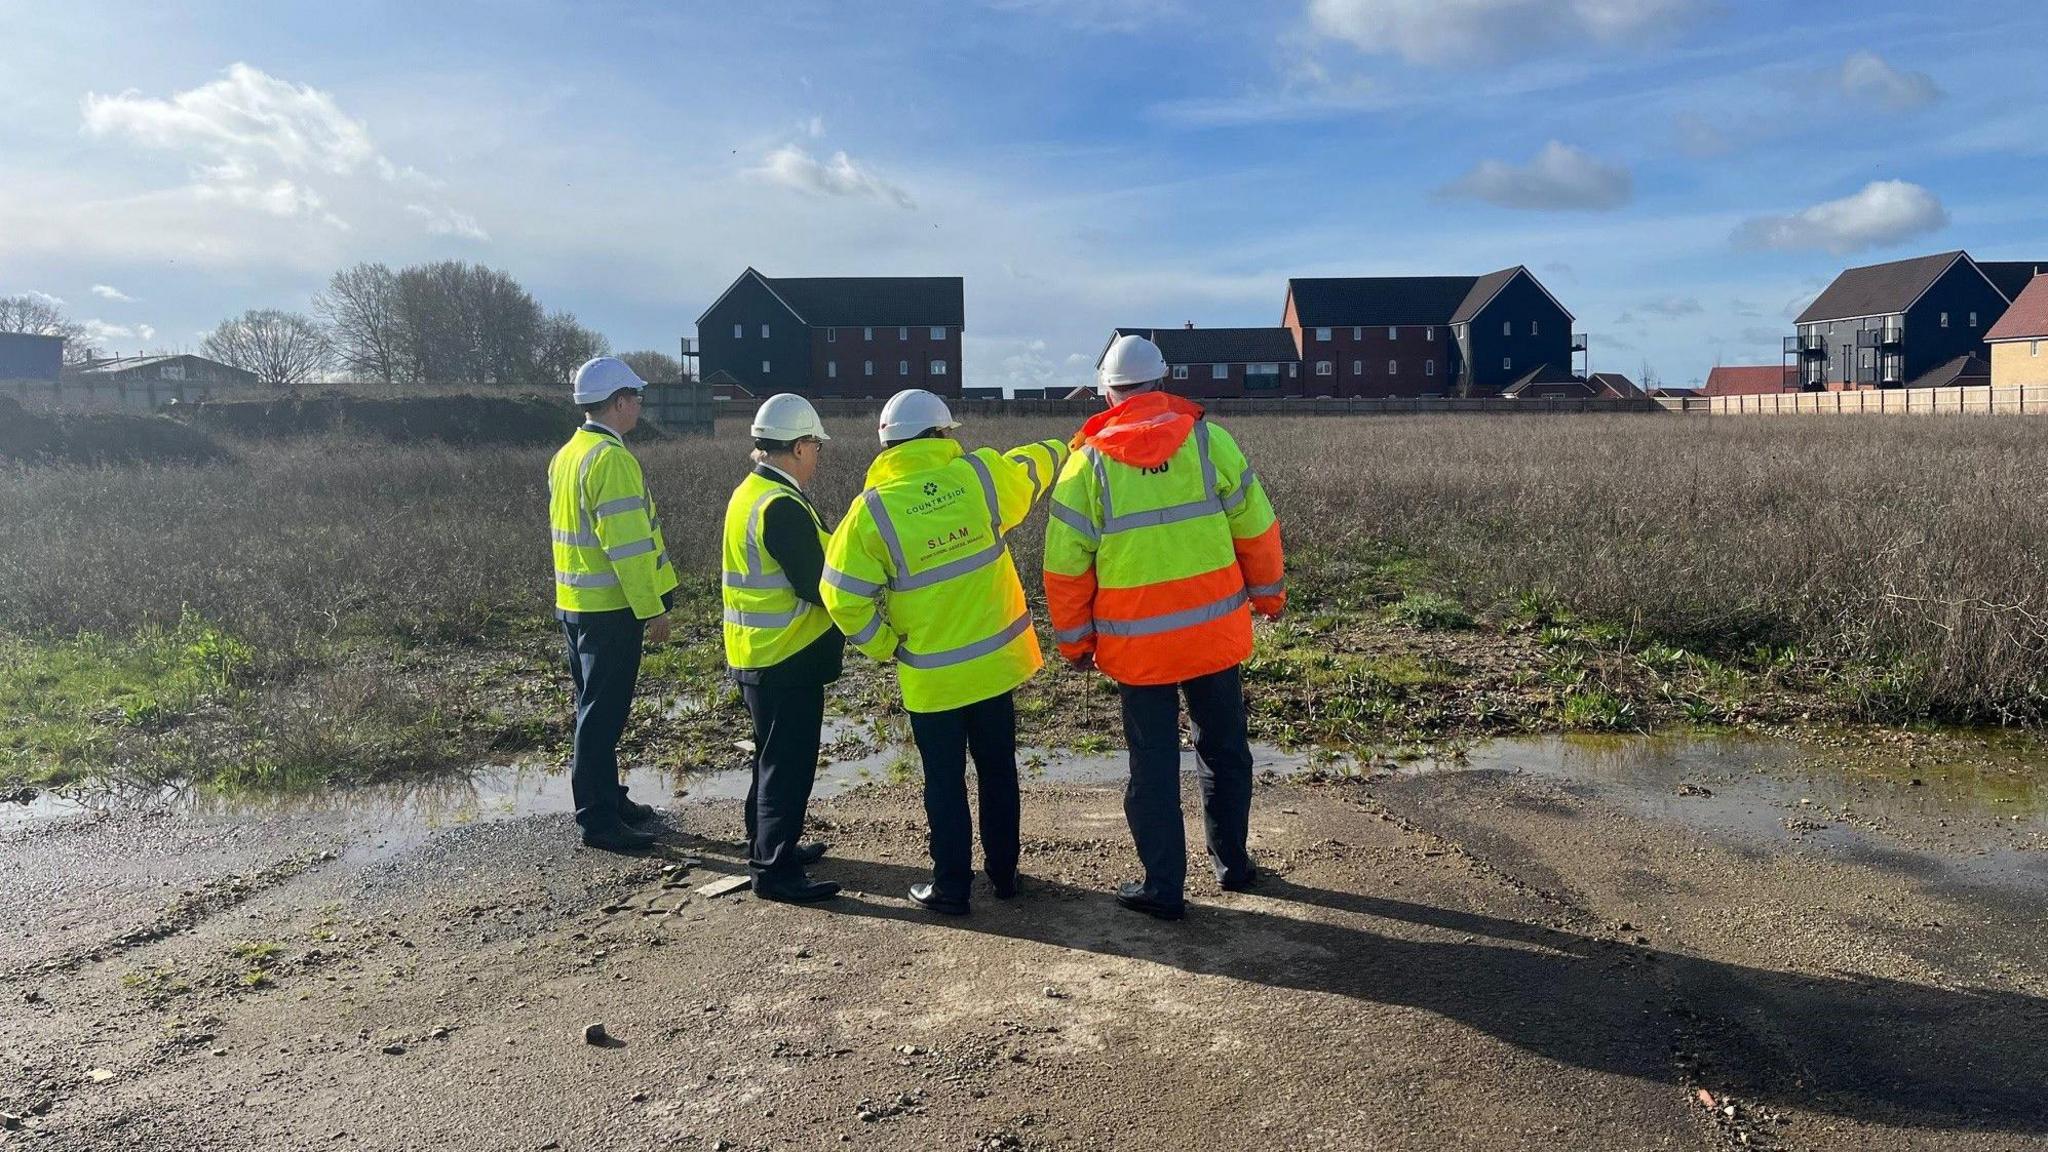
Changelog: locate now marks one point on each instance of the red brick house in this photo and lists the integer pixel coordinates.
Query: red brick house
(835, 336)
(1749, 380)
(1207, 363)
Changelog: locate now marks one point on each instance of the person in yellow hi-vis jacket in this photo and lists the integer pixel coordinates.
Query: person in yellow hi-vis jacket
(614, 586)
(918, 573)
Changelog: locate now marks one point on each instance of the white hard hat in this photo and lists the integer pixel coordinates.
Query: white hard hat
(911, 412)
(787, 416)
(1130, 361)
(601, 376)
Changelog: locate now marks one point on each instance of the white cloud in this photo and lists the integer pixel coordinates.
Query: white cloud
(448, 222)
(1559, 179)
(277, 198)
(1867, 78)
(101, 332)
(1885, 212)
(246, 113)
(109, 292)
(1445, 32)
(45, 297)
(792, 167)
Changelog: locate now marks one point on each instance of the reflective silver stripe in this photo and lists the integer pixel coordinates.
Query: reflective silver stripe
(577, 539)
(965, 652)
(587, 579)
(887, 528)
(639, 547)
(1170, 621)
(867, 633)
(988, 493)
(1267, 589)
(754, 565)
(771, 582)
(1244, 488)
(763, 619)
(1154, 517)
(1031, 470)
(1102, 484)
(1078, 521)
(951, 568)
(661, 561)
(1072, 635)
(622, 504)
(853, 584)
(1208, 465)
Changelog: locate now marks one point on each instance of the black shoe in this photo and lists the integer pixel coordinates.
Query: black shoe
(1134, 897)
(634, 812)
(1241, 884)
(615, 836)
(799, 890)
(933, 902)
(1005, 887)
(809, 854)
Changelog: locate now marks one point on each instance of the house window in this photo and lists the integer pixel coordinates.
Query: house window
(1323, 367)
(739, 333)
(1180, 371)
(2034, 348)
(1973, 319)
(1429, 367)
(1219, 371)
(832, 369)
(1507, 327)
(1507, 364)
(831, 335)
(1944, 319)
(867, 333)
(1534, 330)
(1393, 368)
(1262, 376)
(867, 367)
(1322, 333)
(903, 367)
(1358, 333)
(938, 332)
(1358, 367)
(1429, 333)
(764, 368)
(903, 334)
(764, 331)
(938, 367)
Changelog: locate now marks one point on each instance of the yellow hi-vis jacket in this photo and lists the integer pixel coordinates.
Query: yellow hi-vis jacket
(609, 552)
(918, 571)
(766, 622)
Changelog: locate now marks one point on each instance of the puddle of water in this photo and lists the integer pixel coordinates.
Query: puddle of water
(1961, 816)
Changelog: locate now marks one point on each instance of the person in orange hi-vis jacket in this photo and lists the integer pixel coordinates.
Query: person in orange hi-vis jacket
(1161, 546)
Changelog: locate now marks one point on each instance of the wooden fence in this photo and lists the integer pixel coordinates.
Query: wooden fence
(1981, 400)
(1231, 406)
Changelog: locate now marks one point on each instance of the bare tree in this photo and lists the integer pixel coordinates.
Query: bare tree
(37, 316)
(364, 327)
(654, 367)
(564, 345)
(281, 348)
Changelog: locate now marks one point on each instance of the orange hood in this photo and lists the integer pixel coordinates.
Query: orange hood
(1144, 431)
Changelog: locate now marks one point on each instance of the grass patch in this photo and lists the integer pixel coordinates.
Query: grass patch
(1430, 611)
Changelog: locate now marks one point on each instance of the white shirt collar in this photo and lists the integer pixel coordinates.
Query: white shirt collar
(603, 427)
(781, 473)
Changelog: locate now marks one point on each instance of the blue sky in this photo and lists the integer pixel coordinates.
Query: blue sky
(1683, 174)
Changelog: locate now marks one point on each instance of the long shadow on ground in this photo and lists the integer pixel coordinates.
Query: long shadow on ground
(1876, 1050)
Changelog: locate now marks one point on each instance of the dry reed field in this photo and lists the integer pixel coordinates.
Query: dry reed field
(1902, 565)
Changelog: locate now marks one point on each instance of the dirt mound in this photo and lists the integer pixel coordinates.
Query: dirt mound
(467, 419)
(33, 437)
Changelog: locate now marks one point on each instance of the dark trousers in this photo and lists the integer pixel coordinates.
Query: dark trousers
(604, 661)
(1223, 759)
(988, 729)
(787, 721)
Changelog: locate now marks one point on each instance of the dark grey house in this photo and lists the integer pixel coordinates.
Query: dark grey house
(24, 356)
(1205, 363)
(824, 336)
(1427, 335)
(1907, 323)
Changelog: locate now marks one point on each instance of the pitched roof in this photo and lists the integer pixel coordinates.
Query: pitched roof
(1969, 369)
(1745, 380)
(1878, 289)
(1219, 345)
(2012, 276)
(851, 301)
(1334, 302)
(2027, 319)
(1675, 391)
(1615, 384)
(1541, 374)
(1484, 288)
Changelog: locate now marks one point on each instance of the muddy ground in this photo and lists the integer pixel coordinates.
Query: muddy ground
(1482, 958)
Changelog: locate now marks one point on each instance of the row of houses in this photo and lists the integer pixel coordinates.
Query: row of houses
(1927, 322)
(1498, 334)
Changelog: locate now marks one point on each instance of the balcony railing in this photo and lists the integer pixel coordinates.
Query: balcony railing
(1807, 345)
(1578, 341)
(1893, 332)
